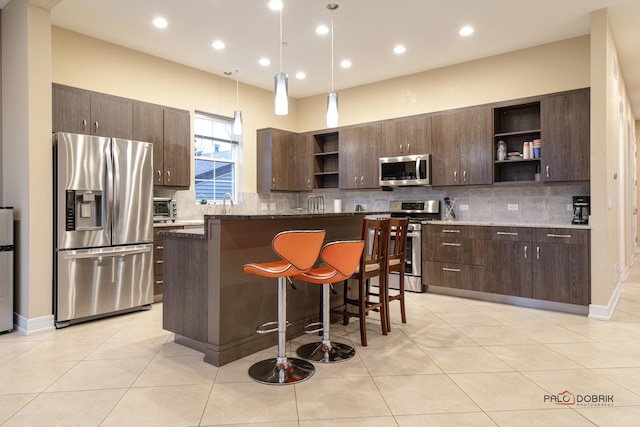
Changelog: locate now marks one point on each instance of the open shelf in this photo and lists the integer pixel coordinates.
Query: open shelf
(326, 162)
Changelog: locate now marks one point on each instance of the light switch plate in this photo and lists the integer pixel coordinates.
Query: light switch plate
(464, 207)
(512, 207)
(272, 206)
(264, 207)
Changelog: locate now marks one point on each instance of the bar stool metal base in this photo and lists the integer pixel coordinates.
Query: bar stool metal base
(337, 352)
(286, 370)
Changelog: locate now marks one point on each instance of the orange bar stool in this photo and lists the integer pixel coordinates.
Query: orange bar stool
(396, 263)
(373, 263)
(299, 250)
(341, 259)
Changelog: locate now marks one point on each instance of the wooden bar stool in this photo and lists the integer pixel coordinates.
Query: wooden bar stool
(299, 251)
(396, 262)
(373, 263)
(341, 259)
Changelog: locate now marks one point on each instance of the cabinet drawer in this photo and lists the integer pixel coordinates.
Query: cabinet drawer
(514, 234)
(451, 230)
(454, 249)
(569, 236)
(451, 275)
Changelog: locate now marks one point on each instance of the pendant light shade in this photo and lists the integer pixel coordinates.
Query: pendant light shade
(332, 110)
(332, 97)
(281, 82)
(237, 114)
(282, 94)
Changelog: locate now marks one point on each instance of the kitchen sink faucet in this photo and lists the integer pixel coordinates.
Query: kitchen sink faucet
(224, 202)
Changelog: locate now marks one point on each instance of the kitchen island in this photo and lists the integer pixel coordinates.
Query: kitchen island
(212, 306)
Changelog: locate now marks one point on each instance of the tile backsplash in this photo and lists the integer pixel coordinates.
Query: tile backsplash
(544, 204)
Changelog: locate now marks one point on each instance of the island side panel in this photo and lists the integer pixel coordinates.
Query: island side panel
(238, 302)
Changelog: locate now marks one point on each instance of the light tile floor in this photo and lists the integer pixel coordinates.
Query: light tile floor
(457, 362)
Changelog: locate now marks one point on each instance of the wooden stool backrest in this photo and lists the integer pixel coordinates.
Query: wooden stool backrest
(399, 247)
(375, 233)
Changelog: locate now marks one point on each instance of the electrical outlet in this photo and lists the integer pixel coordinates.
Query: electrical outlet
(512, 207)
(272, 206)
(264, 206)
(464, 207)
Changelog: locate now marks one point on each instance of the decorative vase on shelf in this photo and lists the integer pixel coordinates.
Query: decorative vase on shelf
(501, 153)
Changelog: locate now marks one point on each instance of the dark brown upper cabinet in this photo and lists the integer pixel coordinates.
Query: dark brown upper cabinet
(406, 136)
(359, 152)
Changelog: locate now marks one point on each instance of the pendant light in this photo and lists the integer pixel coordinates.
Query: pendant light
(237, 114)
(281, 82)
(332, 97)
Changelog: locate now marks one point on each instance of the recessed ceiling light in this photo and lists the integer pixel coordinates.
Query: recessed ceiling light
(276, 5)
(218, 45)
(465, 31)
(399, 49)
(345, 63)
(265, 62)
(160, 22)
(322, 30)
(300, 75)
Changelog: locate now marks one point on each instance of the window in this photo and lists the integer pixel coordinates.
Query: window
(216, 157)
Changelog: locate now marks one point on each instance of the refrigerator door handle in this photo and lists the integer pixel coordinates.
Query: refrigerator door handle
(109, 254)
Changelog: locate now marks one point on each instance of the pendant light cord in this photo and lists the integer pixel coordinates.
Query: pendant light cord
(237, 92)
(332, 50)
(280, 40)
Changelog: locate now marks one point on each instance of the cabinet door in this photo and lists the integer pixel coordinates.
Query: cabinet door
(474, 137)
(304, 164)
(111, 116)
(565, 124)
(408, 136)
(446, 150)
(508, 268)
(277, 161)
(71, 109)
(359, 152)
(177, 148)
(561, 273)
(148, 126)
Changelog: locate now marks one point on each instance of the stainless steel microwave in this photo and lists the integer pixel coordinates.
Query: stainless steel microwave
(164, 209)
(405, 170)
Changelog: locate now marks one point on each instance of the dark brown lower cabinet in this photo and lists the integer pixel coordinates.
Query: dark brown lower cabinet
(561, 273)
(508, 268)
(450, 275)
(158, 250)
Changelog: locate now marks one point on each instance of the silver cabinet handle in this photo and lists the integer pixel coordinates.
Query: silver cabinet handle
(525, 251)
(455, 176)
(408, 148)
(560, 236)
(362, 180)
(537, 252)
(454, 270)
(160, 247)
(308, 183)
(547, 169)
(450, 231)
(273, 182)
(159, 262)
(450, 244)
(159, 175)
(84, 125)
(355, 181)
(464, 176)
(506, 233)
(400, 148)
(96, 125)
(159, 282)
(168, 176)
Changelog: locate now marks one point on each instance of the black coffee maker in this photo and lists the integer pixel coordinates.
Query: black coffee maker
(581, 210)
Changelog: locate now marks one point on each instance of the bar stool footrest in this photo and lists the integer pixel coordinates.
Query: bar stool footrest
(317, 328)
(272, 327)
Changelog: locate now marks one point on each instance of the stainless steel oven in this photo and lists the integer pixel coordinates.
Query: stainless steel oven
(418, 212)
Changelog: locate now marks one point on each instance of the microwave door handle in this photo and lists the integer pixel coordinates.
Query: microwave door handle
(418, 168)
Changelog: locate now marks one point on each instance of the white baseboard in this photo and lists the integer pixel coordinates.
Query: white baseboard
(605, 312)
(34, 326)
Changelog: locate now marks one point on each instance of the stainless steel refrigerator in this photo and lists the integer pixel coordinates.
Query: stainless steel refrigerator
(103, 226)
(6, 269)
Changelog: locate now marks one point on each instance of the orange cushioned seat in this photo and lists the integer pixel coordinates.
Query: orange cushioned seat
(299, 251)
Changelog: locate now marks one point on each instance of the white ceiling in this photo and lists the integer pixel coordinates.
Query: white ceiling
(365, 32)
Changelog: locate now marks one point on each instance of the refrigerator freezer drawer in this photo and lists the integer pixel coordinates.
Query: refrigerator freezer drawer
(93, 282)
(6, 290)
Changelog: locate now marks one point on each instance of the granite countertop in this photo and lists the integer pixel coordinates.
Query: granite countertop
(187, 233)
(509, 224)
(293, 214)
(179, 223)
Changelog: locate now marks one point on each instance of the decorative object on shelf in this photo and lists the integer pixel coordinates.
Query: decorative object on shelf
(536, 148)
(281, 80)
(237, 114)
(332, 97)
(501, 153)
(525, 150)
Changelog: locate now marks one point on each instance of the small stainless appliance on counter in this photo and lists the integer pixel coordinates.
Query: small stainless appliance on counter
(103, 234)
(418, 212)
(6, 269)
(164, 209)
(581, 205)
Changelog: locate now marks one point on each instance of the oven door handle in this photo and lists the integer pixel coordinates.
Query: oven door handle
(413, 234)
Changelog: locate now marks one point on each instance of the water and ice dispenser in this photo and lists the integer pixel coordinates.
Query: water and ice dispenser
(84, 210)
